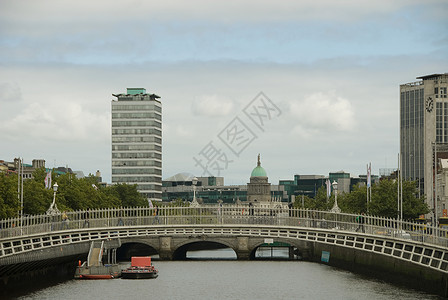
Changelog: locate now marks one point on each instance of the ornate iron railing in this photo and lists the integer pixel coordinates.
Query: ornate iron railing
(219, 215)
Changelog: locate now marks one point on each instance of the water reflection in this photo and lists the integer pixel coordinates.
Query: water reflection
(264, 253)
(233, 279)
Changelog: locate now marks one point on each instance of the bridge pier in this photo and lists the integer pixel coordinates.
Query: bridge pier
(165, 249)
(243, 251)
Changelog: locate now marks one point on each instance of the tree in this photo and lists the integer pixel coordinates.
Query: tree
(72, 194)
(385, 200)
(9, 200)
(318, 203)
(354, 202)
(128, 195)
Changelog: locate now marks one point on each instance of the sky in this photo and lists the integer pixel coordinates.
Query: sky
(311, 86)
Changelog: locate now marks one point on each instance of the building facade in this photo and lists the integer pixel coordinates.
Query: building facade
(259, 188)
(211, 190)
(423, 129)
(137, 141)
(442, 188)
(308, 185)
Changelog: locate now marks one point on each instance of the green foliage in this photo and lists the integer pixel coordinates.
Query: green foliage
(385, 200)
(72, 194)
(179, 203)
(84, 193)
(9, 202)
(128, 195)
(318, 203)
(383, 203)
(36, 199)
(354, 202)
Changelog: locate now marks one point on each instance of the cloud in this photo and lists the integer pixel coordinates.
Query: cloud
(321, 112)
(212, 106)
(9, 92)
(61, 122)
(67, 11)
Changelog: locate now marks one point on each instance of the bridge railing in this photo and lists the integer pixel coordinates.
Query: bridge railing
(224, 215)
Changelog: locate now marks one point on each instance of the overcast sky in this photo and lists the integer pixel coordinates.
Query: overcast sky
(329, 73)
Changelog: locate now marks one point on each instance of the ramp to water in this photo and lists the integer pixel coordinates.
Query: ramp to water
(95, 254)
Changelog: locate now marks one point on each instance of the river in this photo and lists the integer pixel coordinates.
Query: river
(227, 278)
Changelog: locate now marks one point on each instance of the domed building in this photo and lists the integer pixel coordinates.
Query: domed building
(258, 190)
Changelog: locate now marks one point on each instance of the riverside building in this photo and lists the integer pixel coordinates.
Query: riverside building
(137, 141)
(424, 132)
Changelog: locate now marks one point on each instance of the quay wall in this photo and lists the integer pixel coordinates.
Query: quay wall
(383, 267)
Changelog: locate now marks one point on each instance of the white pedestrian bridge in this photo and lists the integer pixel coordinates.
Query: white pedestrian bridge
(419, 243)
(395, 245)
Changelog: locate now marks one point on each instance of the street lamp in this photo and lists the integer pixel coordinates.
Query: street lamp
(53, 210)
(194, 203)
(335, 208)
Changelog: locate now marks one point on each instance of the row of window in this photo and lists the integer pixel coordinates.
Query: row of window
(132, 107)
(412, 109)
(149, 179)
(139, 171)
(137, 147)
(140, 131)
(136, 163)
(137, 155)
(137, 115)
(441, 122)
(442, 91)
(150, 187)
(154, 123)
(142, 187)
(152, 195)
(147, 171)
(137, 139)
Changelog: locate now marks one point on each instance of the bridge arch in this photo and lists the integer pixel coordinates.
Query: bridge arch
(392, 246)
(200, 244)
(135, 248)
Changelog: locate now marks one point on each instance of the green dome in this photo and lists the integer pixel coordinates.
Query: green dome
(258, 172)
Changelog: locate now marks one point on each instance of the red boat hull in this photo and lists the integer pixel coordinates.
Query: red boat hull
(96, 277)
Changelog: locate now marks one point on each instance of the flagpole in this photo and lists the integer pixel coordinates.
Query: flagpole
(370, 173)
(21, 196)
(367, 185)
(398, 187)
(18, 185)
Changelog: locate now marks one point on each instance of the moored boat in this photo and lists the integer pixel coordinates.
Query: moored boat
(141, 268)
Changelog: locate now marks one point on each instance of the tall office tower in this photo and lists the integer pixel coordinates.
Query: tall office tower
(424, 128)
(137, 141)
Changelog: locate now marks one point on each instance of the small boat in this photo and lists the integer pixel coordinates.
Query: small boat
(112, 275)
(97, 272)
(141, 268)
(94, 268)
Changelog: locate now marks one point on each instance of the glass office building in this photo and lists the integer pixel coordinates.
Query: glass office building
(423, 128)
(137, 141)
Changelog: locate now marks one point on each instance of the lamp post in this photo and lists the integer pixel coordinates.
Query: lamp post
(194, 203)
(53, 210)
(335, 208)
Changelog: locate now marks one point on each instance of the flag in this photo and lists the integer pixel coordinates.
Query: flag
(328, 188)
(369, 171)
(48, 180)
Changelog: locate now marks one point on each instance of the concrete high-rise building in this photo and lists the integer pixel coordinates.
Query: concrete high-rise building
(424, 128)
(137, 141)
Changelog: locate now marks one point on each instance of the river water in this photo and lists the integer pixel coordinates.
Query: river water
(230, 279)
